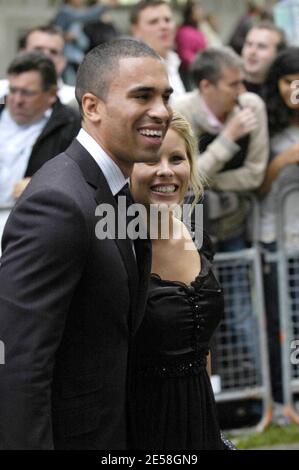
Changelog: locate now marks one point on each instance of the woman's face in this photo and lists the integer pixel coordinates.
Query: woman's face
(290, 95)
(167, 180)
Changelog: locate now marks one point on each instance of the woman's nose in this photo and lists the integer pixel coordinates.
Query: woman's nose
(164, 169)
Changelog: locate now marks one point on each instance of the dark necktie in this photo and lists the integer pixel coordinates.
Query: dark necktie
(125, 191)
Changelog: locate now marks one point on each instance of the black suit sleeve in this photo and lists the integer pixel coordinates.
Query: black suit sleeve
(44, 248)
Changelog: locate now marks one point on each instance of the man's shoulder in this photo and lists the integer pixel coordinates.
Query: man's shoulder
(60, 175)
(65, 114)
(190, 106)
(186, 102)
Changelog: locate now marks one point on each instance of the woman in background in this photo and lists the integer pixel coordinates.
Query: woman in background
(282, 101)
(189, 39)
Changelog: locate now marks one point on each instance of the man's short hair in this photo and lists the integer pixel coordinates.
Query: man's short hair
(53, 30)
(269, 26)
(34, 61)
(209, 64)
(100, 65)
(140, 6)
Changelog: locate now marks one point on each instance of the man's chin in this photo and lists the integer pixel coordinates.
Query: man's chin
(20, 119)
(150, 158)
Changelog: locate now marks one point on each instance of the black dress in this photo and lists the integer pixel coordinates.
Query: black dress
(172, 404)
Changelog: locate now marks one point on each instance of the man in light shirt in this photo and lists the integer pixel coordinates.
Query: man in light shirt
(222, 113)
(71, 302)
(152, 22)
(231, 127)
(50, 41)
(34, 125)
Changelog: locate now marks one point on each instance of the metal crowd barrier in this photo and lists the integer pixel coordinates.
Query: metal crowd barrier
(287, 258)
(240, 343)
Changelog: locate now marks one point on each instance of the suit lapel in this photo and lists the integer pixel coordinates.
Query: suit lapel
(102, 194)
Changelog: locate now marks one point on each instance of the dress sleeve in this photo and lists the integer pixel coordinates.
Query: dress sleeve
(207, 247)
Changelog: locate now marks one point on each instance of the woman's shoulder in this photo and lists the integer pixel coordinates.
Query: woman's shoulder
(204, 244)
(201, 240)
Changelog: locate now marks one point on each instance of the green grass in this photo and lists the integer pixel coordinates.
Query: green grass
(273, 435)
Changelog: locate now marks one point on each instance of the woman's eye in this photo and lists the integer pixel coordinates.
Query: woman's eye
(177, 158)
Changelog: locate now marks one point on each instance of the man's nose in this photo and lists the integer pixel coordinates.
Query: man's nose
(160, 110)
(241, 88)
(17, 98)
(252, 49)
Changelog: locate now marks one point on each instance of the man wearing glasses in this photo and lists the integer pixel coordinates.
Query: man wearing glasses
(34, 125)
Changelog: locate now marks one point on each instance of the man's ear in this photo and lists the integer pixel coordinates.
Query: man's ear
(134, 31)
(92, 107)
(204, 85)
(53, 95)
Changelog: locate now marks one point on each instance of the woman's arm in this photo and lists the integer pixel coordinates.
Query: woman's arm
(289, 156)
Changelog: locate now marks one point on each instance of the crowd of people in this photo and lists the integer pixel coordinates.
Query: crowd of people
(107, 340)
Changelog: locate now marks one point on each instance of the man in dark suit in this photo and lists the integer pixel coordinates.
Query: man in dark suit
(69, 302)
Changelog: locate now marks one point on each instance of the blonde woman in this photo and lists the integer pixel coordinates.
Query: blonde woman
(172, 403)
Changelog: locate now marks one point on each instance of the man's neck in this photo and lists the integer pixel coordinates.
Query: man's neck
(257, 79)
(214, 112)
(164, 53)
(125, 167)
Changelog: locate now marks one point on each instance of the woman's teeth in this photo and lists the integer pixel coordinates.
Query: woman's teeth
(171, 188)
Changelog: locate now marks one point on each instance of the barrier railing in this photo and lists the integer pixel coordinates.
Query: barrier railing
(287, 258)
(241, 342)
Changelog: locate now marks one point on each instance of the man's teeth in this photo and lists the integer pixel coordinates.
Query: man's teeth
(150, 132)
(165, 189)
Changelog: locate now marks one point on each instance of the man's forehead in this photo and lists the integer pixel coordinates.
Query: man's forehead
(153, 12)
(231, 73)
(43, 39)
(30, 78)
(265, 36)
(148, 64)
(141, 72)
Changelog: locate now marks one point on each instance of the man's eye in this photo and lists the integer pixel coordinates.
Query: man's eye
(142, 97)
(166, 98)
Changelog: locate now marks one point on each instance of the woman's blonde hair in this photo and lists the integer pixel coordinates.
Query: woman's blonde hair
(182, 127)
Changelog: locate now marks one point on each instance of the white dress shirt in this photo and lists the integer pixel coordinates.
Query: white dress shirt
(16, 143)
(172, 63)
(111, 171)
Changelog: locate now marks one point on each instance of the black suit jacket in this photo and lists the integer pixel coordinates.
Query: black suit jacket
(69, 306)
